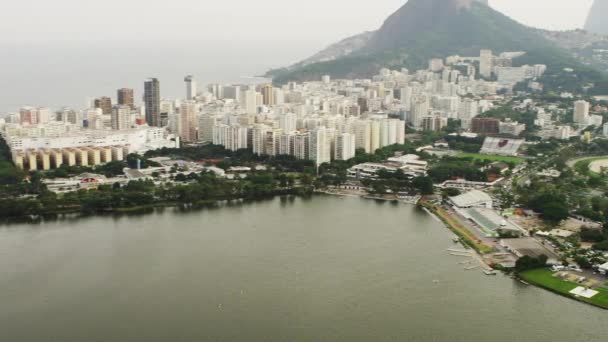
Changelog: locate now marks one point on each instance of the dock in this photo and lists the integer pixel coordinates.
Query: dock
(471, 258)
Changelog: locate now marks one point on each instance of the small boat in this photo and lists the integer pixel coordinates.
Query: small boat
(489, 272)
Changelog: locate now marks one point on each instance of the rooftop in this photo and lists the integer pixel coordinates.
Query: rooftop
(471, 198)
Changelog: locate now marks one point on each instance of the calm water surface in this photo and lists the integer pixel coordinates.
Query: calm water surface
(71, 74)
(323, 269)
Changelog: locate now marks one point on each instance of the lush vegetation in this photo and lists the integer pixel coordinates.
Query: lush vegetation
(573, 192)
(583, 166)
(223, 158)
(191, 190)
(451, 168)
(526, 263)
(552, 205)
(9, 174)
(490, 158)
(468, 145)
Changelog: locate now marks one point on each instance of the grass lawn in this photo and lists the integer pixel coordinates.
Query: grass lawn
(479, 156)
(544, 278)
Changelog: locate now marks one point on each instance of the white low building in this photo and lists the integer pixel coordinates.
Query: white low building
(472, 199)
(410, 167)
(411, 163)
(604, 269)
(369, 170)
(85, 147)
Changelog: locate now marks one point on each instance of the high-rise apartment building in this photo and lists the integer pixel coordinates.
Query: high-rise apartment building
(34, 116)
(420, 107)
(485, 125)
(152, 102)
(581, 112)
(301, 146)
(121, 117)
(190, 87)
(206, 126)
(468, 110)
(125, 97)
(105, 104)
(187, 112)
(268, 95)
(320, 146)
(345, 146)
(485, 63)
(434, 123)
(233, 137)
(259, 133)
(250, 101)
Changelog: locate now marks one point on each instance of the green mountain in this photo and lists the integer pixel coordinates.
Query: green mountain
(425, 29)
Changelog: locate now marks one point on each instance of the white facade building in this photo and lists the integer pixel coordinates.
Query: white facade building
(581, 112)
(345, 146)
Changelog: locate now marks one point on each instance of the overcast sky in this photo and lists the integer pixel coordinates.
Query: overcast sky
(322, 21)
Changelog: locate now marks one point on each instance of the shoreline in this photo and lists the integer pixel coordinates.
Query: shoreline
(412, 201)
(78, 212)
(462, 232)
(529, 281)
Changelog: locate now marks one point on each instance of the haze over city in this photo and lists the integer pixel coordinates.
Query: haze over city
(314, 21)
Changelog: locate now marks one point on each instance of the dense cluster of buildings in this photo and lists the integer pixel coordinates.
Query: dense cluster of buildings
(42, 139)
(327, 119)
(319, 121)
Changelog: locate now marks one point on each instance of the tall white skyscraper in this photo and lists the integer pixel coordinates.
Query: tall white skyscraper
(320, 147)
(233, 137)
(485, 63)
(259, 139)
(250, 101)
(468, 110)
(581, 112)
(420, 108)
(345, 146)
(190, 87)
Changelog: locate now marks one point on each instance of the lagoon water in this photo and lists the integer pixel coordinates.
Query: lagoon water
(288, 269)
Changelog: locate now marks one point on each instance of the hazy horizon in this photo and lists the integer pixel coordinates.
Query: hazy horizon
(272, 20)
(83, 54)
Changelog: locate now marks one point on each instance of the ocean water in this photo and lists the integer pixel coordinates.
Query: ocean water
(57, 74)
